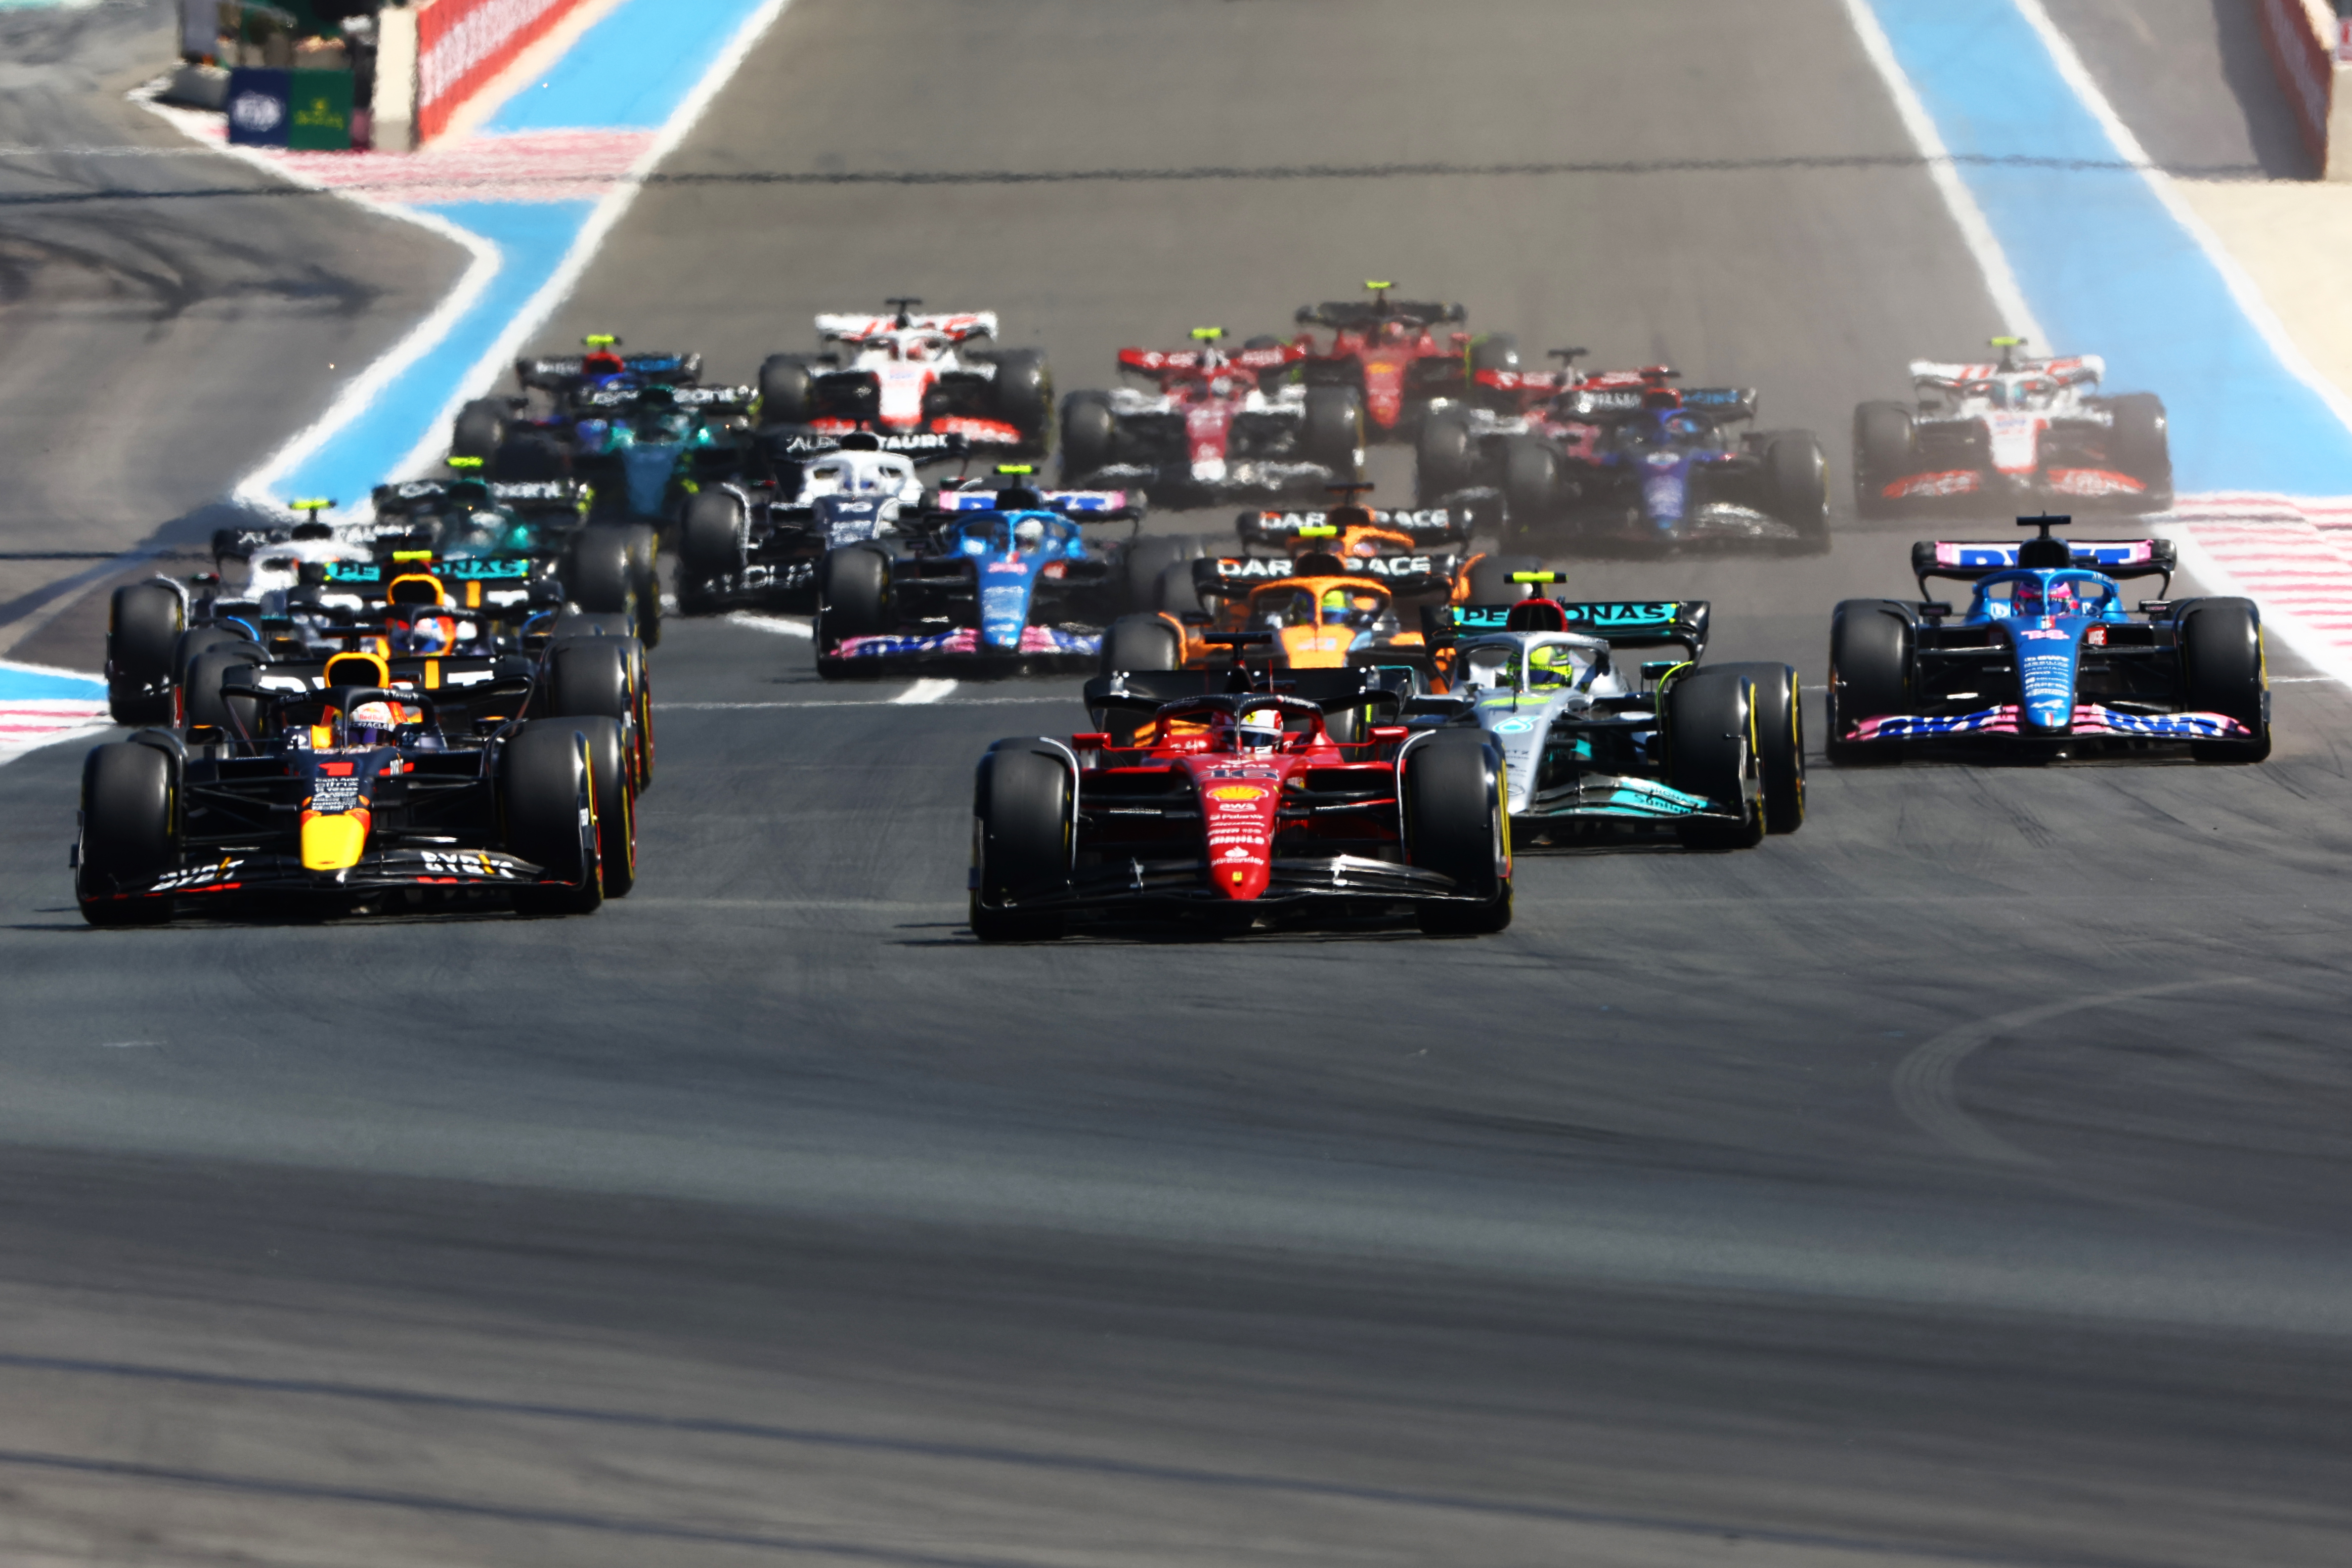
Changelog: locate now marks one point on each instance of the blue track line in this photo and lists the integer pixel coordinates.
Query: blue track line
(2104, 265)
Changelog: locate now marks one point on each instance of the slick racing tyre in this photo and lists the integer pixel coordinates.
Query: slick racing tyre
(1885, 448)
(1151, 556)
(1870, 675)
(607, 675)
(2222, 670)
(1780, 741)
(1141, 642)
(1797, 485)
(1331, 432)
(1711, 749)
(1456, 824)
(711, 541)
(1444, 459)
(1089, 436)
(1490, 579)
(1176, 593)
(597, 575)
(142, 628)
(481, 429)
(1532, 487)
(2140, 444)
(784, 391)
(610, 765)
(205, 705)
(129, 835)
(853, 594)
(1023, 393)
(1023, 817)
(542, 782)
(645, 580)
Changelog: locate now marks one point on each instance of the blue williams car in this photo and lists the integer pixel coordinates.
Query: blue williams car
(2048, 657)
(1006, 579)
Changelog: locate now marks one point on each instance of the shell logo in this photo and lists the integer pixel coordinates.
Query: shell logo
(1237, 792)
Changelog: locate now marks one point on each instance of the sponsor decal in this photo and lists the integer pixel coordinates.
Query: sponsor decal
(2036, 634)
(196, 877)
(1955, 482)
(333, 795)
(1513, 727)
(1236, 792)
(1239, 855)
(2092, 482)
(2089, 718)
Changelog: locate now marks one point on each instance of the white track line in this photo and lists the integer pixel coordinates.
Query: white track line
(775, 624)
(543, 304)
(925, 691)
(1999, 280)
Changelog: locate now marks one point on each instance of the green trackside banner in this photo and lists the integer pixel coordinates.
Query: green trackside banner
(318, 105)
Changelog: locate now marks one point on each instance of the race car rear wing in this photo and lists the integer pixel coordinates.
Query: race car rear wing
(1079, 506)
(500, 569)
(1160, 361)
(796, 442)
(1434, 525)
(701, 399)
(1361, 315)
(1622, 623)
(1142, 693)
(527, 498)
(1964, 561)
(958, 326)
(1230, 577)
(1721, 405)
(557, 372)
(1946, 375)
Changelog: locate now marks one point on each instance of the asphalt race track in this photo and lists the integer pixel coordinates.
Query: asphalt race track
(1962, 1180)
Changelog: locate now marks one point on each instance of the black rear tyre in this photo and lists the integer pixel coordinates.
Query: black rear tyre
(784, 391)
(1797, 478)
(712, 539)
(129, 833)
(143, 630)
(1089, 436)
(205, 705)
(597, 577)
(1532, 487)
(530, 457)
(2140, 444)
(1712, 751)
(1456, 824)
(1870, 675)
(853, 595)
(1332, 434)
(612, 765)
(2223, 670)
(1022, 823)
(481, 429)
(1444, 459)
(1141, 643)
(1176, 593)
(1023, 393)
(1149, 557)
(542, 785)
(1885, 448)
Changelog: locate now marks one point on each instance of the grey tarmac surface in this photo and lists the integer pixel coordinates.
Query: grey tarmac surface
(1960, 1180)
(168, 317)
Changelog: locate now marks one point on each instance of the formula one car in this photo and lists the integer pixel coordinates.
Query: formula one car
(1005, 579)
(2018, 430)
(1213, 431)
(2047, 660)
(1312, 611)
(1386, 351)
(1714, 752)
(758, 541)
(1627, 456)
(533, 435)
(912, 375)
(355, 797)
(1233, 807)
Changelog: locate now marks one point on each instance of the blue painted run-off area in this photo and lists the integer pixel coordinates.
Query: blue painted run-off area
(632, 70)
(2106, 269)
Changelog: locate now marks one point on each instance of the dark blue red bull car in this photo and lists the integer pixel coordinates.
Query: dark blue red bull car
(2049, 656)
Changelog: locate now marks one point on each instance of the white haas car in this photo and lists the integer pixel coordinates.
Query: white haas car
(2015, 433)
(909, 375)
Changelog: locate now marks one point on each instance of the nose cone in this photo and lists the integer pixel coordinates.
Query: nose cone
(333, 843)
(645, 468)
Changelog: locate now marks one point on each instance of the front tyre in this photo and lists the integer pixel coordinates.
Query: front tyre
(1023, 395)
(1711, 749)
(2140, 444)
(547, 794)
(129, 833)
(1870, 675)
(1532, 487)
(1886, 449)
(1796, 482)
(1023, 818)
(1456, 825)
(1780, 741)
(143, 633)
(1445, 459)
(1089, 436)
(1331, 432)
(2223, 671)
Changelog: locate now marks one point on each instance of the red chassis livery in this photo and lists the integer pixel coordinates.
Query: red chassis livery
(1236, 805)
(1387, 350)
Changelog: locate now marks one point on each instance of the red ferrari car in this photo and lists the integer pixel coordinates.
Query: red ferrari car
(1236, 807)
(1389, 352)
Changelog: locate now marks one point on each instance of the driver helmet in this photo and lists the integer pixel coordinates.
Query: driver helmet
(1548, 664)
(1029, 535)
(1682, 427)
(1335, 604)
(2025, 599)
(2064, 599)
(371, 724)
(600, 363)
(917, 350)
(1259, 729)
(430, 632)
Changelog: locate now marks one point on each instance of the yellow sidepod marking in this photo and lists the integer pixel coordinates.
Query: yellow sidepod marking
(333, 843)
(474, 594)
(432, 674)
